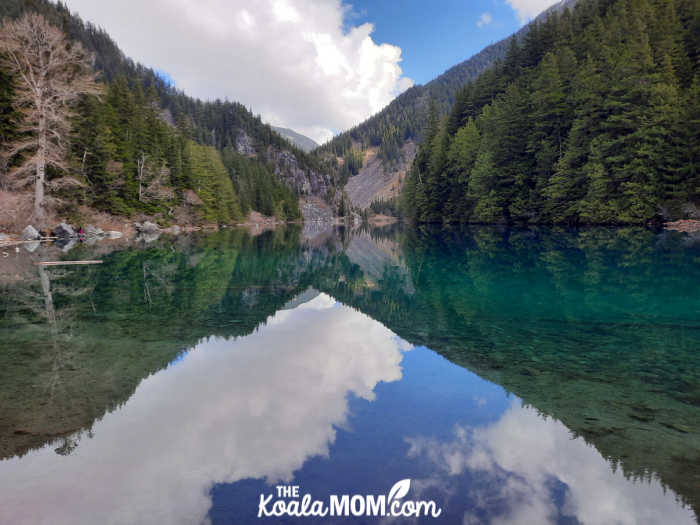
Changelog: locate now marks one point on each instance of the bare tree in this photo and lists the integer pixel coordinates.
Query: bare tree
(141, 164)
(50, 73)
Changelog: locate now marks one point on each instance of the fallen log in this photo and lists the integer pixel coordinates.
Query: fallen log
(5, 244)
(65, 263)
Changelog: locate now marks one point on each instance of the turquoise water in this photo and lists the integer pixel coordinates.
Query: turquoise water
(513, 376)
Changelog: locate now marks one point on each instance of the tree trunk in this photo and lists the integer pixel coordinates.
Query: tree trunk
(48, 297)
(40, 170)
(141, 164)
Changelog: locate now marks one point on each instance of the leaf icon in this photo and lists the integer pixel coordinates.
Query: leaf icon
(400, 489)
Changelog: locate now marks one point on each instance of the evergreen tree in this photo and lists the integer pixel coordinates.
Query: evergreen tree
(461, 157)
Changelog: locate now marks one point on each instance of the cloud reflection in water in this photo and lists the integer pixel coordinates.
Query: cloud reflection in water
(517, 460)
(255, 407)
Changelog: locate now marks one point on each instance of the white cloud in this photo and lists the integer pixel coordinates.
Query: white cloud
(484, 20)
(516, 459)
(289, 60)
(528, 9)
(255, 407)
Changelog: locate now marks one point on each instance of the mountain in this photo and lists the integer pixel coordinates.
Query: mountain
(300, 141)
(268, 168)
(593, 119)
(386, 142)
(146, 147)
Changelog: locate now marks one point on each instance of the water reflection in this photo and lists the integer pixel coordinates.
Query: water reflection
(172, 383)
(254, 407)
(597, 328)
(76, 340)
(526, 468)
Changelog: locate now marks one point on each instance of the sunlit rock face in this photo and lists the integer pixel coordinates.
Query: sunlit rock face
(253, 407)
(518, 461)
(305, 182)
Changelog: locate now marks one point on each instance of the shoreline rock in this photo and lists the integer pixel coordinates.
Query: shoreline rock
(30, 233)
(64, 231)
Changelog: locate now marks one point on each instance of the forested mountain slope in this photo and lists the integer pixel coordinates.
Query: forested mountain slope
(146, 147)
(403, 120)
(595, 118)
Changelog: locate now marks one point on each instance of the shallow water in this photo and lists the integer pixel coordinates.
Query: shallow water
(513, 376)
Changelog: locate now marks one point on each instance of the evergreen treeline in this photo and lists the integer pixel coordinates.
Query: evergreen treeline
(383, 206)
(133, 160)
(351, 165)
(258, 187)
(593, 118)
(7, 116)
(138, 148)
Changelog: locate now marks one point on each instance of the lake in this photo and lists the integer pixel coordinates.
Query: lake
(508, 376)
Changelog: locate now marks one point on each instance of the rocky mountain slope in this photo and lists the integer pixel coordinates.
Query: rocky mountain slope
(375, 180)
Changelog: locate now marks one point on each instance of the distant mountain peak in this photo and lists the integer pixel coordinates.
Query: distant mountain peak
(301, 141)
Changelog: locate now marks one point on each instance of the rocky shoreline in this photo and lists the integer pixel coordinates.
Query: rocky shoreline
(68, 235)
(317, 216)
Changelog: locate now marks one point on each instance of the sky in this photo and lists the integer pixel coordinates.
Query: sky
(435, 36)
(316, 66)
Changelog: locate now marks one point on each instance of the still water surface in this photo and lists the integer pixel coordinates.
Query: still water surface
(536, 376)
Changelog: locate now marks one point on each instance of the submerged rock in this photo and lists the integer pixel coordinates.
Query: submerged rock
(67, 246)
(92, 231)
(30, 233)
(31, 246)
(147, 227)
(148, 236)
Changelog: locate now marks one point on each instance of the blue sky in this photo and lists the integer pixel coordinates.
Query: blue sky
(434, 36)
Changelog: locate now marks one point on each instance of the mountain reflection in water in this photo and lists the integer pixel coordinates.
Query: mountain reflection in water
(176, 385)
